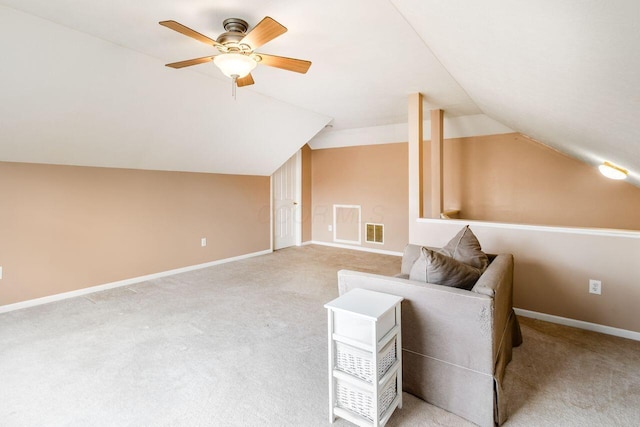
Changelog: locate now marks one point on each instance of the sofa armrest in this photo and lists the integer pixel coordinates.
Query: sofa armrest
(439, 322)
(497, 281)
(498, 271)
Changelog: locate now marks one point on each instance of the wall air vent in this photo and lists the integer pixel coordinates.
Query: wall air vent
(375, 233)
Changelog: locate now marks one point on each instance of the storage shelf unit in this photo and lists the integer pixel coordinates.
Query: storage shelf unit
(365, 357)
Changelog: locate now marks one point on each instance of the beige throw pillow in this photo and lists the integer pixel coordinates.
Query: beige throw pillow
(464, 247)
(439, 269)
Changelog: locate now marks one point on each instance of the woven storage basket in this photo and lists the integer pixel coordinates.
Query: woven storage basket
(359, 363)
(361, 402)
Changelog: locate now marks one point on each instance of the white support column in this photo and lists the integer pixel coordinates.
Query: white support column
(415, 161)
(437, 159)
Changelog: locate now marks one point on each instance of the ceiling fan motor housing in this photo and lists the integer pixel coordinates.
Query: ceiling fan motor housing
(235, 31)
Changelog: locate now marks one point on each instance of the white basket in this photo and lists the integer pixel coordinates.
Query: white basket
(361, 402)
(359, 363)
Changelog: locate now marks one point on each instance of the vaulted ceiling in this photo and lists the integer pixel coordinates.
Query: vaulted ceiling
(84, 83)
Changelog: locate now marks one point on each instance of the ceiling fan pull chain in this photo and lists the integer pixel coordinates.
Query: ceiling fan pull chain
(234, 84)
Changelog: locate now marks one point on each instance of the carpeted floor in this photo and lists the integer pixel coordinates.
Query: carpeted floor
(244, 344)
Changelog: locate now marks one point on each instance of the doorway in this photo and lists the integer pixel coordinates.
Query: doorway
(287, 196)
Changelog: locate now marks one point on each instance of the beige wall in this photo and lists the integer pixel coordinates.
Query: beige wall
(373, 177)
(64, 228)
(452, 192)
(510, 178)
(306, 193)
(553, 267)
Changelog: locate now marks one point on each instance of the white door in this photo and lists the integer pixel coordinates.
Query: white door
(286, 183)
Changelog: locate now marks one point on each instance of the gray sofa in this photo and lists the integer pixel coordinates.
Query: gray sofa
(456, 343)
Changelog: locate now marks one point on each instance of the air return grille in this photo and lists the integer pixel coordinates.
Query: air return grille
(375, 233)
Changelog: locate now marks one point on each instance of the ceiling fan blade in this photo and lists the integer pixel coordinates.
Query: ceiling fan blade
(190, 62)
(245, 81)
(188, 32)
(290, 64)
(266, 30)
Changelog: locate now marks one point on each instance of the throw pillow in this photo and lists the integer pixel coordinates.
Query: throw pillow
(464, 247)
(438, 269)
(409, 256)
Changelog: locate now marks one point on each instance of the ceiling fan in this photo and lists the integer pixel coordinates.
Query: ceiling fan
(237, 56)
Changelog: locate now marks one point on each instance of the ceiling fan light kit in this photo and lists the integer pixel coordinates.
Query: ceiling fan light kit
(235, 64)
(236, 46)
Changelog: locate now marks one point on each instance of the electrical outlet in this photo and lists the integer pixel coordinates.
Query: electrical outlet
(330, 227)
(595, 287)
(203, 242)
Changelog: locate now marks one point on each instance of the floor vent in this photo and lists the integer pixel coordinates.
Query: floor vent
(375, 233)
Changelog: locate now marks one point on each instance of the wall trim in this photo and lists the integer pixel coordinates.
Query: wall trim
(355, 248)
(125, 282)
(606, 232)
(609, 330)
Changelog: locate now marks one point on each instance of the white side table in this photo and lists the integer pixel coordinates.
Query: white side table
(365, 357)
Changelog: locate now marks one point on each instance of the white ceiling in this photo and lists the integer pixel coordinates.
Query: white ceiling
(84, 82)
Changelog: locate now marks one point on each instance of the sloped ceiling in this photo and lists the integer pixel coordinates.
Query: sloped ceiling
(85, 83)
(566, 73)
(70, 98)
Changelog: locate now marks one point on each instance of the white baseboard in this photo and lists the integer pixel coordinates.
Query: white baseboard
(355, 248)
(609, 330)
(125, 282)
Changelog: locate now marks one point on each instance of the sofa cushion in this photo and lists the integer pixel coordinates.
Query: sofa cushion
(465, 247)
(438, 269)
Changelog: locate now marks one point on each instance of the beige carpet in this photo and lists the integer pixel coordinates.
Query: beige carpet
(244, 344)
